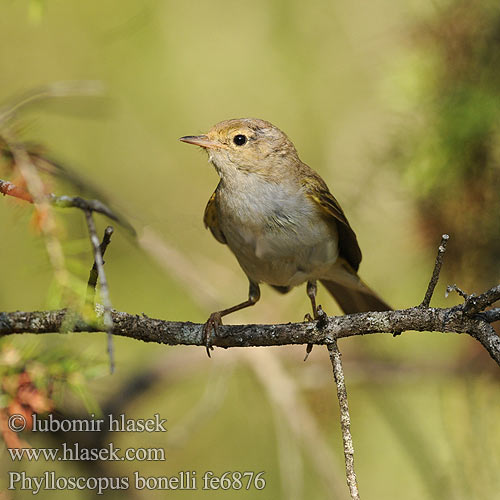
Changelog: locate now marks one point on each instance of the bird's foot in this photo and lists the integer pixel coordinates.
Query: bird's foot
(310, 319)
(321, 317)
(210, 330)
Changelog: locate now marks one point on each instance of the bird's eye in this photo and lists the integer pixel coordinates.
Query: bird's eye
(240, 139)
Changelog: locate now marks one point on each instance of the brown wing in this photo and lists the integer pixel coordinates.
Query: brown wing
(211, 219)
(330, 207)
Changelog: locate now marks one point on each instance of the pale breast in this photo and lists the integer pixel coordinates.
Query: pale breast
(275, 232)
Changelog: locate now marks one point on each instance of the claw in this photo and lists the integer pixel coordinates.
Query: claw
(321, 317)
(309, 348)
(213, 322)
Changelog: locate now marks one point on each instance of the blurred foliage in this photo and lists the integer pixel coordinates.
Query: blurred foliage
(449, 148)
(35, 379)
(36, 10)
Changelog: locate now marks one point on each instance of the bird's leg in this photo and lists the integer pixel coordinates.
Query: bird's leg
(312, 289)
(317, 311)
(215, 319)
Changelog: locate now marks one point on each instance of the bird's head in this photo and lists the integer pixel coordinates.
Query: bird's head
(247, 144)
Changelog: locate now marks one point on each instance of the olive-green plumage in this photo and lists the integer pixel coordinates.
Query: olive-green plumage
(279, 218)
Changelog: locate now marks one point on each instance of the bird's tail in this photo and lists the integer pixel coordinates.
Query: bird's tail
(351, 294)
(353, 300)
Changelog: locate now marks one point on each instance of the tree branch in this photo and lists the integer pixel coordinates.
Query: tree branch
(458, 319)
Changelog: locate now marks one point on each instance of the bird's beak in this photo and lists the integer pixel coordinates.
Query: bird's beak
(200, 140)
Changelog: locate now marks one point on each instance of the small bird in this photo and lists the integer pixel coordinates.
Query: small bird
(278, 217)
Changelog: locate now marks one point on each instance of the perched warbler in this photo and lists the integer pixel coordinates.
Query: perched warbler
(279, 219)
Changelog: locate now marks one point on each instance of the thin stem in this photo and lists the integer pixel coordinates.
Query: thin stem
(10, 189)
(108, 320)
(93, 272)
(345, 419)
(435, 272)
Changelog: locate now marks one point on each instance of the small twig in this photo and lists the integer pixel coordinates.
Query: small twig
(93, 272)
(491, 315)
(435, 272)
(83, 204)
(7, 188)
(476, 303)
(10, 189)
(345, 419)
(108, 320)
(454, 288)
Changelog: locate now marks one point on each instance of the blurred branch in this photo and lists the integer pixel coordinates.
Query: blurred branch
(463, 318)
(77, 88)
(45, 217)
(285, 397)
(179, 266)
(207, 406)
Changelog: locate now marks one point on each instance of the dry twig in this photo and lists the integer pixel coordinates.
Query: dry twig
(92, 283)
(99, 264)
(436, 271)
(345, 419)
(10, 189)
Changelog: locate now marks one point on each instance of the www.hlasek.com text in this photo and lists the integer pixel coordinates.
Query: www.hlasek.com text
(74, 452)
